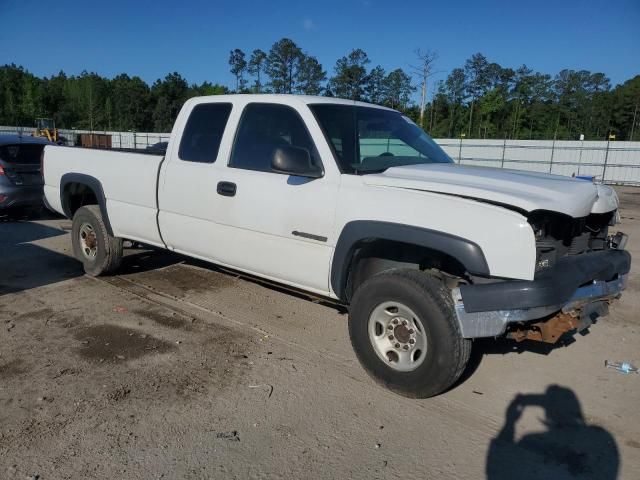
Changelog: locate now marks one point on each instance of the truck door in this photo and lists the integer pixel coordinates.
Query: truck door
(242, 214)
(187, 199)
(282, 224)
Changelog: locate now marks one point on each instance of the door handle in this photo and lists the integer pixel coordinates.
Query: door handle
(228, 189)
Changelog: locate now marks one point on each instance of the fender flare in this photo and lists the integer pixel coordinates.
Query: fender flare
(91, 182)
(468, 253)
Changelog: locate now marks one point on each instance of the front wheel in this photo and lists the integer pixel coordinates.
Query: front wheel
(405, 333)
(99, 252)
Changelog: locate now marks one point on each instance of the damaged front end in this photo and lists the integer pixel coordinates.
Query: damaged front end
(587, 305)
(580, 269)
(558, 235)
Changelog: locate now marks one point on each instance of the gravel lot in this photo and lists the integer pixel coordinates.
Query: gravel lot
(173, 369)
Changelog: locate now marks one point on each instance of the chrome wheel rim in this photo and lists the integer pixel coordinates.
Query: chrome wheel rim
(398, 336)
(88, 241)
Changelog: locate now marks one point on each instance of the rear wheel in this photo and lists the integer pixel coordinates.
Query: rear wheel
(405, 333)
(99, 252)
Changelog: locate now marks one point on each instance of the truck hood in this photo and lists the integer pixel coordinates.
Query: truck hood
(527, 191)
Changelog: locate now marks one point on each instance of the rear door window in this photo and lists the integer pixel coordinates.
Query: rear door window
(203, 133)
(22, 153)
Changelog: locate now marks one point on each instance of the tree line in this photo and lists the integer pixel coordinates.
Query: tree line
(479, 99)
(92, 102)
(485, 100)
(288, 69)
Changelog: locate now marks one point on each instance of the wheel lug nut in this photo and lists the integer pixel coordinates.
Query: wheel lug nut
(411, 332)
(404, 322)
(412, 341)
(395, 321)
(390, 327)
(390, 337)
(397, 345)
(406, 347)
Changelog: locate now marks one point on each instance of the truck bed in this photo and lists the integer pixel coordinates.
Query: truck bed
(128, 180)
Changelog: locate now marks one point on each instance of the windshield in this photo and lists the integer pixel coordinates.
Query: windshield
(368, 140)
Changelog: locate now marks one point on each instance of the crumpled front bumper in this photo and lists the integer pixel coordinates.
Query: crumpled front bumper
(580, 285)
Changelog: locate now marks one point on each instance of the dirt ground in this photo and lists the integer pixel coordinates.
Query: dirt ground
(173, 369)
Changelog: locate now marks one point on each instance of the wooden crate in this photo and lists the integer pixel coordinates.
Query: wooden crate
(95, 140)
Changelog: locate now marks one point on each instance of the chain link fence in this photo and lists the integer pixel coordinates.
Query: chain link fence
(608, 161)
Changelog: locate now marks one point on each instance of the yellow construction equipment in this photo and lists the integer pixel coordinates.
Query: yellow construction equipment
(46, 127)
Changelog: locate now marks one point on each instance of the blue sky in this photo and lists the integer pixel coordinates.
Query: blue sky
(152, 38)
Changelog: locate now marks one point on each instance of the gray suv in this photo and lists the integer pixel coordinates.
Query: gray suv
(20, 172)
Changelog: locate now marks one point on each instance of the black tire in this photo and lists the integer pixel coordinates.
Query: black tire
(108, 253)
(428, 297)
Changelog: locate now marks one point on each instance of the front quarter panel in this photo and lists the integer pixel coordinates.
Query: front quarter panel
(607, 199)
(504, 236)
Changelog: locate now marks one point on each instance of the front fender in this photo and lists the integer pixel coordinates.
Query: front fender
(468, 253)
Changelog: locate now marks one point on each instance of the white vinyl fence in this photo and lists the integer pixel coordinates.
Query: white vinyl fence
(611, 162)
(136, 140)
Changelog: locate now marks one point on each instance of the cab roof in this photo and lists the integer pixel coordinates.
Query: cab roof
(285, 99)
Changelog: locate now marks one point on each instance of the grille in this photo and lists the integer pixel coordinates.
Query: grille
(579, 244)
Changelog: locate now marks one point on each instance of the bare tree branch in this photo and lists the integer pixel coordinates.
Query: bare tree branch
(424, 70)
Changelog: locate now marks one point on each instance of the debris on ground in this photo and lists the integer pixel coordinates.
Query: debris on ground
(119, 393)
(231, 436)
(265, 386)
(622, 367)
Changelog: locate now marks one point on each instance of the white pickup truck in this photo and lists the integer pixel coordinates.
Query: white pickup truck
(354, 202)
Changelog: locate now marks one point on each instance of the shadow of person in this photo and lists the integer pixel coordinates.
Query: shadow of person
(569, 448)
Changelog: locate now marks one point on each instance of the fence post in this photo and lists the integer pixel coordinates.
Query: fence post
(553, 149)
(460, 150)
(504, 148)
(606, 159)
(580, 156)
(134, 140)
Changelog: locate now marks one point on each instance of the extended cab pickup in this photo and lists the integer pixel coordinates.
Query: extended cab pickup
(354, 202)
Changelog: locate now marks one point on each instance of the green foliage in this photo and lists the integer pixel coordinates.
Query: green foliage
(310, 76)
(170, 94)
(375, 88)
(89, 101)
(290, 70)
(397, 89)
(625, 108)
(351, 77)
(481, 99)
(282, 65)
(485, 100)
(238, 67)
(256, 67)
(208, 88)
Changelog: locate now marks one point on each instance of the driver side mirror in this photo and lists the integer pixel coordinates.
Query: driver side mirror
(294, 161)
